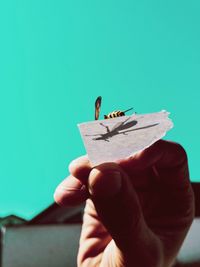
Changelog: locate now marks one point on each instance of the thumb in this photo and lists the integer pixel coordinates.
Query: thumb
(116, 203)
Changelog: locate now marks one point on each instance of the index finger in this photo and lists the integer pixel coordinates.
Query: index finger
(168, 158)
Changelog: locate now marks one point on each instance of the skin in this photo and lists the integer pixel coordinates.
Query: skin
(138, 211)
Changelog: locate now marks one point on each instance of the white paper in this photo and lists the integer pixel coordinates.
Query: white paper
(118, 138)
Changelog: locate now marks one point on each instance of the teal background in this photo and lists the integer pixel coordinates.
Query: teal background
(56, 57)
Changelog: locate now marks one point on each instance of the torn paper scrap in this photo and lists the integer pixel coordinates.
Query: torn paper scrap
(118, 138)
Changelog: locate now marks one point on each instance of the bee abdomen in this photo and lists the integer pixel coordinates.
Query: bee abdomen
(114, 114)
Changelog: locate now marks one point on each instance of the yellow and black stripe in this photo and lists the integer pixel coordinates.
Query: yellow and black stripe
(114, 114)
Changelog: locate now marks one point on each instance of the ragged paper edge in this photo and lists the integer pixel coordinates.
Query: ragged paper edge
(172, 125)
(138, 151)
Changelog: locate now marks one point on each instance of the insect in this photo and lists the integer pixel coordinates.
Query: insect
(116, 113)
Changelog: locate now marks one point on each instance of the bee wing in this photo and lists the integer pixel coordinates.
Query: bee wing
(97, 107)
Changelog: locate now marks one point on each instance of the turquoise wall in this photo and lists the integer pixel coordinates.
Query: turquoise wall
(56, 57)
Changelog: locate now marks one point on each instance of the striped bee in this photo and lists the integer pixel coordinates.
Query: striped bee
(116, 113)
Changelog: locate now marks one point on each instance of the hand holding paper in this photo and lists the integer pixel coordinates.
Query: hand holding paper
(138, 211)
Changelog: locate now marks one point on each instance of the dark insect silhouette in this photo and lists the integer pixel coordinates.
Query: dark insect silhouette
(119, 128)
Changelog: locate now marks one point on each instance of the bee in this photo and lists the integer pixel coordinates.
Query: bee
(114, 114)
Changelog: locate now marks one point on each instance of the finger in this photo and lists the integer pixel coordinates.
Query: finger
(116, 203)
(175, 209)
(80, 168)
(71, 192)
(165, 158)
(163, 152)
(169, 161)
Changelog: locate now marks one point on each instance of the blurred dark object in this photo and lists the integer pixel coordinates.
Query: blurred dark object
(196, 189)
(11, 220)
(59, 215)
(189, 255)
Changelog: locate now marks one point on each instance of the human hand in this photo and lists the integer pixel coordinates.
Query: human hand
(138, 211)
